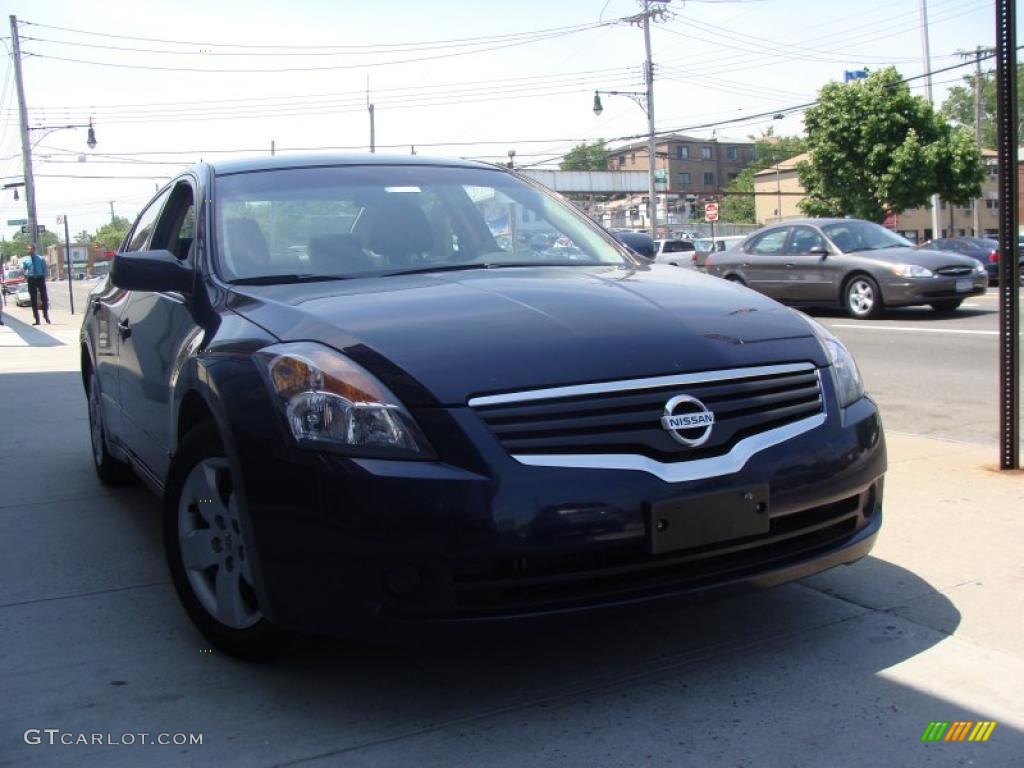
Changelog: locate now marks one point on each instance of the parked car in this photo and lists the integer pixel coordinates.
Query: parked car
(13, 277)
(22, 297)
(413, 426)
(678, 253)
(706, 247)
(851, 263)
(984, 250)
(639, 243)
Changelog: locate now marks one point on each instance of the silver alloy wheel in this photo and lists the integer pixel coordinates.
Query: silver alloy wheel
(861, 296)
(213, 552)
(96, 421)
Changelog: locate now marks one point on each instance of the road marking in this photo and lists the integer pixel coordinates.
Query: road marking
(913, 330)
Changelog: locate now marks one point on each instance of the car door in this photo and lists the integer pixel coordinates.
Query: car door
(811, 276)
(154, 327)
(107, 306)
(762, 262)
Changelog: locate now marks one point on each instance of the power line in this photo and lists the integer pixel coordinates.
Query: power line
(361, 65)
(303, 46)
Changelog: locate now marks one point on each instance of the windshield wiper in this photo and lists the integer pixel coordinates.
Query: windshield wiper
(435, 268)
(286, 279)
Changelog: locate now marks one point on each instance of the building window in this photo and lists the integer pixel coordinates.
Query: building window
(709, 179)
(732, 176)
(752, 154)
(705, 153)
(993, 170)
(622, 159)
(682, 153)
(632, 157)
(684, 177)
(992, 205)
(730, 153)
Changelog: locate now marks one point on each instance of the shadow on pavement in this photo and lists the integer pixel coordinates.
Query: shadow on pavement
(913, 314)
(32, 335)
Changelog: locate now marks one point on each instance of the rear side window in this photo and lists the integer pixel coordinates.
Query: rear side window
(677, 246)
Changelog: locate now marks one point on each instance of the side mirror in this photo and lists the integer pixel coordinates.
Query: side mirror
(151, 271)
(818, 250)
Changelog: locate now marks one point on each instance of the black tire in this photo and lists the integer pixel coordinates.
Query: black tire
(948, 305)
(109, 470)
(255, 638)
(735, 279)
(862, 298)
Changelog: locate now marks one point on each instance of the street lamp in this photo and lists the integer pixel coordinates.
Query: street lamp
(645, 102)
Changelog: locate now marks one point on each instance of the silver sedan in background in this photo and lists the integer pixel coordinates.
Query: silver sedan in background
(851, 263)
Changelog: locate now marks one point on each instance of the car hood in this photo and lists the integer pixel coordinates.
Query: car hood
(441, 338)
(925, 257)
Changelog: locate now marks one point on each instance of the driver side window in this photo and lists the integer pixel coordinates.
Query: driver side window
(803, 239)
(770, 243)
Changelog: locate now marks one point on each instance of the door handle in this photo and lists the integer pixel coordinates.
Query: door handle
(790, 265)
(123, 329)
(95, 305)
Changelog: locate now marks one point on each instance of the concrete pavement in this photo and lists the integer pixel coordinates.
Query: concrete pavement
(844, 669)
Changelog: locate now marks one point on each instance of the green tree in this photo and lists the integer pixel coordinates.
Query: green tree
(958, 107)
(83, 237)
(738, 208)
(586, 157)
(14, 249)
(109, 236)
(874, 146)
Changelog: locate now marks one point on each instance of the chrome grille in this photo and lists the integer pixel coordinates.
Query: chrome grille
(956, 271)
(625, 417)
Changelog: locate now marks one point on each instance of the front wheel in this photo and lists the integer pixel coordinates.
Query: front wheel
(949, 305)
(110, 470)
(862, 298)
(208, 553)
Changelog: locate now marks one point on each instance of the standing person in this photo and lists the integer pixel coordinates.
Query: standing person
(35, 274)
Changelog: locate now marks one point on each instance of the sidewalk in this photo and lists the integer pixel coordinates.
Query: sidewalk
(843, 669)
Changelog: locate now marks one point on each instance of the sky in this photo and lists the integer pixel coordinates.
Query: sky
(168, 84)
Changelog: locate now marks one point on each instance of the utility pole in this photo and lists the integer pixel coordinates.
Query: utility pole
(926, 52)
(26, 143)
(273, 148)
(112, 217)
(977, 54)
(369, 107)
(652, 189)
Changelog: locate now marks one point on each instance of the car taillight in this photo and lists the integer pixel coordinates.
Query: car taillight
(993, 257)
(693, 259)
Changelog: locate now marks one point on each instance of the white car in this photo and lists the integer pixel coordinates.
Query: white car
(678, 253)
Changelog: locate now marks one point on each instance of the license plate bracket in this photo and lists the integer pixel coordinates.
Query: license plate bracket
(964, 285)
(695, 521)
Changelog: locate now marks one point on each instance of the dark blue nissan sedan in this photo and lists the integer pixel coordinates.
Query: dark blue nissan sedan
(370, 394)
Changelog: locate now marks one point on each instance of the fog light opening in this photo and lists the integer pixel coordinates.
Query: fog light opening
(403, 581)
(870, 503)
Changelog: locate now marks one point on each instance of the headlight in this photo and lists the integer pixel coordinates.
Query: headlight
(911, 270)
(849, 385)
(979, 269)
(330, 402)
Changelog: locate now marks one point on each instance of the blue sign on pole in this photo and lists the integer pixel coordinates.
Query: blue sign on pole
(854, 74)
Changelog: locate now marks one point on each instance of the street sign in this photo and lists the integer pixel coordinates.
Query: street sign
(17, 222)
(39, 229)
(711, 212)
(60, 221)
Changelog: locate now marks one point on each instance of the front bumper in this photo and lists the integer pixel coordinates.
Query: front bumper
(355, 544)
(900, 292)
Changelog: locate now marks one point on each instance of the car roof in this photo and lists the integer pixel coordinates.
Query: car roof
(276, 162)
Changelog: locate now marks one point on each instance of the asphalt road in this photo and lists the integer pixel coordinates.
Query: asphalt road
(931, 374)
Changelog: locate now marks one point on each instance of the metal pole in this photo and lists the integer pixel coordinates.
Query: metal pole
(977, 132)
(26, 143)
(272, 148)
(778, 188)
(67, 254)
(926, 52)
(369, 107)
(112, 216)
(652, 189)
(1009, 269)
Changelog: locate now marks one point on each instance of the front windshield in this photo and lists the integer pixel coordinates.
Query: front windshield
(380, 220)
(850, 236)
